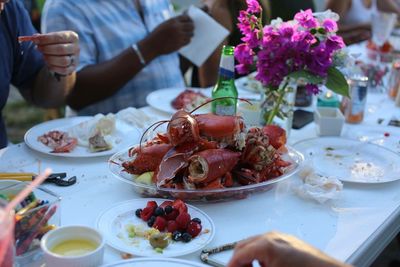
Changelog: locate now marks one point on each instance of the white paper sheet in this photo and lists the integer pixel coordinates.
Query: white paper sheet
(208, 34)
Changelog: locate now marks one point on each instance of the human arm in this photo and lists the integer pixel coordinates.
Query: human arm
(339, 7)
(280, 250)
(355, 35)
(208, 72)
(350, 33)
(100, 81)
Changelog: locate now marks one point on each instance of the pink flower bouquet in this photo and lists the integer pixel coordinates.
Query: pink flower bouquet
(303, 48)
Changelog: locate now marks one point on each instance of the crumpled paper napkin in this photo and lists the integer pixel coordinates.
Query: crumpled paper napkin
(317, 187)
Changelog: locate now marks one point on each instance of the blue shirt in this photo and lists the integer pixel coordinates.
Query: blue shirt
(105, 29)
(19, 63)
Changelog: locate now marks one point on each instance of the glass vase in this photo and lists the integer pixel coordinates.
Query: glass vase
(277, 106)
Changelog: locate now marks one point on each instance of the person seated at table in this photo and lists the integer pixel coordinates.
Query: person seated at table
(226, 12)
(128, 49)
(30, 69)
(286, 9)
(276, 249)
(355, 16)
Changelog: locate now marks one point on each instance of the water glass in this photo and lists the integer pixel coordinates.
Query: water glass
(6, 237)
(382, 26)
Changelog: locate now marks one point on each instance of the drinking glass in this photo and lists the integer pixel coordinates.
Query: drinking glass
(6, 237)
(382, 26)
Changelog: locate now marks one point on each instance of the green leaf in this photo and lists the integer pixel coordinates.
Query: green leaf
(302, 74)
(336, 82)
(321, 31)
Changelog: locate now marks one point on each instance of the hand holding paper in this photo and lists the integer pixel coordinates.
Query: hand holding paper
(208, 35)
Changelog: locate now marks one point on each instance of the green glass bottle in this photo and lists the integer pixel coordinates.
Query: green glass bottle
(225, 85)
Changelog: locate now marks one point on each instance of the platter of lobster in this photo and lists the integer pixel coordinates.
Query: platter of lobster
(206, 157)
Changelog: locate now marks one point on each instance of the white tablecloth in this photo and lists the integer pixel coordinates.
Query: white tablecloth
(354, 228)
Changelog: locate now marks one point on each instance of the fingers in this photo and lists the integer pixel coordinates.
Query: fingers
(247, 254)
(254, 248)
(59, 49)
(184, 18)
(64, 37)
(62, 65)
(60, 61)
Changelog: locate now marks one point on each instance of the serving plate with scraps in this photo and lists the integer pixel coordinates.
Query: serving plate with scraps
(350, 160)
(203, 195)
(116, 224)
(123, 136)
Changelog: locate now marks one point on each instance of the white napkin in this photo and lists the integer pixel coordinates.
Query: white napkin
(317, 187)
(208, 35)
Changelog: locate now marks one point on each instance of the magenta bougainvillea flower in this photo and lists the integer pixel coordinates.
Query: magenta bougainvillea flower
(308, 43)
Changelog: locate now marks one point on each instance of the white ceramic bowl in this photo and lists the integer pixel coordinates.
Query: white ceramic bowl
(52, 238)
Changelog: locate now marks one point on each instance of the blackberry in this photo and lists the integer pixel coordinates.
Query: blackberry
(159, 212)
(151, 221)
(138, 212)
(186, 237)
(168, 209)
(177, 236)
(196, 220)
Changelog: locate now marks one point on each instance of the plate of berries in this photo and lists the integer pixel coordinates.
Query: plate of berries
(156, 227)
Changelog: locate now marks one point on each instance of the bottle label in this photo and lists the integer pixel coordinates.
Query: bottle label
(226, 73)
(225, 110)
(227, 66)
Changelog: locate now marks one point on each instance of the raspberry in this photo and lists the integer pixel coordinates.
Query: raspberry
(172, 226)
(182, 220)
(193, 228)
(180, 206)
(172, 215)
(151, 204)
(147, 213)
(160, 223)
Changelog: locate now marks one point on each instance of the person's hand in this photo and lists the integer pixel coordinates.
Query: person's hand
(60, 50)
(279, 250)
(172, 34)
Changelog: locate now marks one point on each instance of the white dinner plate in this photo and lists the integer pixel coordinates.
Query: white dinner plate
(155, 262)
(351, 160)
(249, 83)
(388, 137)
(125, 135)
(112, 223)
(161, 99)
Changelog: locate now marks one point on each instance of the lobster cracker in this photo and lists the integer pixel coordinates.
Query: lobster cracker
(206, 253)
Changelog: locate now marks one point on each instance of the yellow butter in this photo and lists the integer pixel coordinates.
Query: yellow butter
(74, 247)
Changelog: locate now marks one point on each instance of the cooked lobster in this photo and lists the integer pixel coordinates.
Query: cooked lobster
(209, 151)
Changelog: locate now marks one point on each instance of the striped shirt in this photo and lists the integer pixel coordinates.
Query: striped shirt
(105, 29)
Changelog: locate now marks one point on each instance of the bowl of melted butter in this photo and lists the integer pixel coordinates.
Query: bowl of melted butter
(73, 246)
